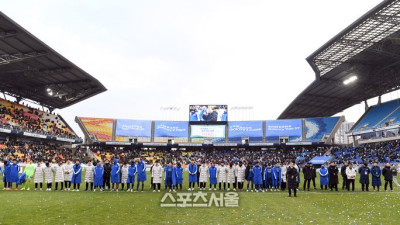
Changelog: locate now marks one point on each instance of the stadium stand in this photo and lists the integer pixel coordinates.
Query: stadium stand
(25, 118)
(373, 152)
(376, 115)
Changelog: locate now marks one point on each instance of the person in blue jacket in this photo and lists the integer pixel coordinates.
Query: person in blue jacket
(193, 115)
(212, 174)
(131, 176)
(224, 116)
(13, 176)
(115, 176)
(364, 172)
(268, 177)
(77, 175)
(249, 174)
(169, 177)
(257, 179)
(6, 174)
(179, 176)
(277, 177)
(323, 177)
(141, 173)
(192, 175)
(376, 173)
(98, 176)
(21, 179)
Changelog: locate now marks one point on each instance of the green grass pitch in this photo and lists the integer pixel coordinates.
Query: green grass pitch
(314, 207)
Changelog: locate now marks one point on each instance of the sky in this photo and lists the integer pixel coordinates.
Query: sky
(153, 54)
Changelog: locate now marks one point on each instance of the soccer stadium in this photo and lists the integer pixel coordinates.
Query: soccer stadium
(309, 164)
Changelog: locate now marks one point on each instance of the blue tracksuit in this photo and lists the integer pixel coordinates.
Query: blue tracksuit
(13, 176)
(212, 171)
(257, 179)
(268, 177)
(251, 174)
(192, 169)
(179, 175)
(276, 178)
(131, 174)
(76, 174)
(376, 173)
(169, 176)
(323, 176)
(141, 171)
(21, 179)
(6, 173)
(364, 174)
(116, 168)
(98, 175)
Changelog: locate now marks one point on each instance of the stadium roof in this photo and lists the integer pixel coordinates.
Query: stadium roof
(368, 49)
(29, 69)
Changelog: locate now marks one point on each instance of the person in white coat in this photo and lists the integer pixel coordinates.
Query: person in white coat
(240, 175)
(68, 174)
(351, 173)
(89, 176)
(221, 171)
(156, 173)
(124, 175)
(231, 172)
(48, 175)
(38, 176)
(203, 176)
(59, 175)
(283, 177)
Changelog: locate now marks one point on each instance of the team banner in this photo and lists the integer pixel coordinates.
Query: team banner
(100, 127)
(207, 131)
(133, 128)
(241, 129)
(317, 128)
(170, 129)
(276, 128)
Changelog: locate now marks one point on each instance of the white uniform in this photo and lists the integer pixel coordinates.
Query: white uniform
(38, 174)
(68, 171)
(124, 171)
(283, 172)
(48, 174)
(231, 174)
(156, 173)
(240, 173)
(59, 172)
(221, 171)
(89, 176)
(203, 174)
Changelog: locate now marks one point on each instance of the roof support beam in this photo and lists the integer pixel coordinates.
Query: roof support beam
(18, 57)
(7, 34)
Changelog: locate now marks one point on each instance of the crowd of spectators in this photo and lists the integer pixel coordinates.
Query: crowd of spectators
(25, 118)
(380, 152)
(36, 151)
(210, 155)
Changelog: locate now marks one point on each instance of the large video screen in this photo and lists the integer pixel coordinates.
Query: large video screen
(208, 113)
(207, 131)
(100, 127)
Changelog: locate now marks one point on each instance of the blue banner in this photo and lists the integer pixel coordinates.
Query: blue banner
(317, 128)
(133, 128)
(320, 160)
(291, 128)
(170, 129)
(241, 129)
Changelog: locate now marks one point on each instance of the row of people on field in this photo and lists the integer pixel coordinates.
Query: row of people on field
(266, 178)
